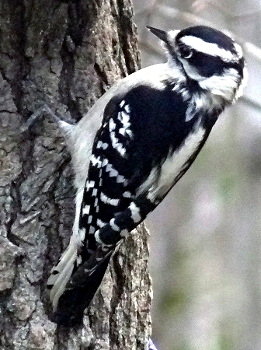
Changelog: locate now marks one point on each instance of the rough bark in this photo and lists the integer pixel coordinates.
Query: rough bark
(65, 53)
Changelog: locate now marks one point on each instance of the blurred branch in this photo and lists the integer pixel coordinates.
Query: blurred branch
(148, 9)
(251, 49)
(151, 48)
(172, 13)
(198, 5)
(189, 18)
(250, 102)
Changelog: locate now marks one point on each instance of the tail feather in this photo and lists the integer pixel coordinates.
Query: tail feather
(79, 293)
(61, 273)
(61, 282)
(73, 282)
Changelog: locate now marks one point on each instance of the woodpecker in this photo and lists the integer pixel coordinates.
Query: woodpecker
(153, 125)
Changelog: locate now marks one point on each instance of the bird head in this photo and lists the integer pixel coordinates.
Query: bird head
(208, 56)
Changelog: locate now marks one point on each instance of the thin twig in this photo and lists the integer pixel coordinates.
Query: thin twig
(172, 13)
(250, 102)
(224, 11)
(150, 48)
(148, 9)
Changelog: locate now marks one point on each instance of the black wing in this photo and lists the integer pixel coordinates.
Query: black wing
(137, 133)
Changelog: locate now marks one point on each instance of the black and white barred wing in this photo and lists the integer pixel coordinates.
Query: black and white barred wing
(126, 180)
(107, 194)
(107, 188)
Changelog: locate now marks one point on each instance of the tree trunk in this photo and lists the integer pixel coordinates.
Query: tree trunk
(65, 53)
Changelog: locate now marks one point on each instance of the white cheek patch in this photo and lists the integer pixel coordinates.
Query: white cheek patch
(224, 85)
(191, 71)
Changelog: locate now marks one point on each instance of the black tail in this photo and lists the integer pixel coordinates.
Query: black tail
(79, 295)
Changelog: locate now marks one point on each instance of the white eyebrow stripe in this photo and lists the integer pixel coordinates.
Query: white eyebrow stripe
(209, 48)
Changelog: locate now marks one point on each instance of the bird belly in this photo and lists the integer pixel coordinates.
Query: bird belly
(175, 163)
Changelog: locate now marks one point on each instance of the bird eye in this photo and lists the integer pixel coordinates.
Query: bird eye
(185, 52)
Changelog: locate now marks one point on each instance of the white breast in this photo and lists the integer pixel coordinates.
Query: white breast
(158, 185)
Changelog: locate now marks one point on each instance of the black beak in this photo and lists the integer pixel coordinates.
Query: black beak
(159, 33)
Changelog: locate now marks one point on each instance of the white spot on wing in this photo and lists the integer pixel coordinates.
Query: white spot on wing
(105, 199)
(126, 194)
(124, 233)
(127, 109)
(135, 212)
(105, 162)
(102, 145)
(122, 131)
(99, 241)
(114, 173)
(120, 179)
(124, 119)
(99, 144)
(112, 125)
(89, 184)
(114, 226)
(95, 161)
(91, 229)
(100, 223)
(117, 145)
(225, 85)
(86, 210)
